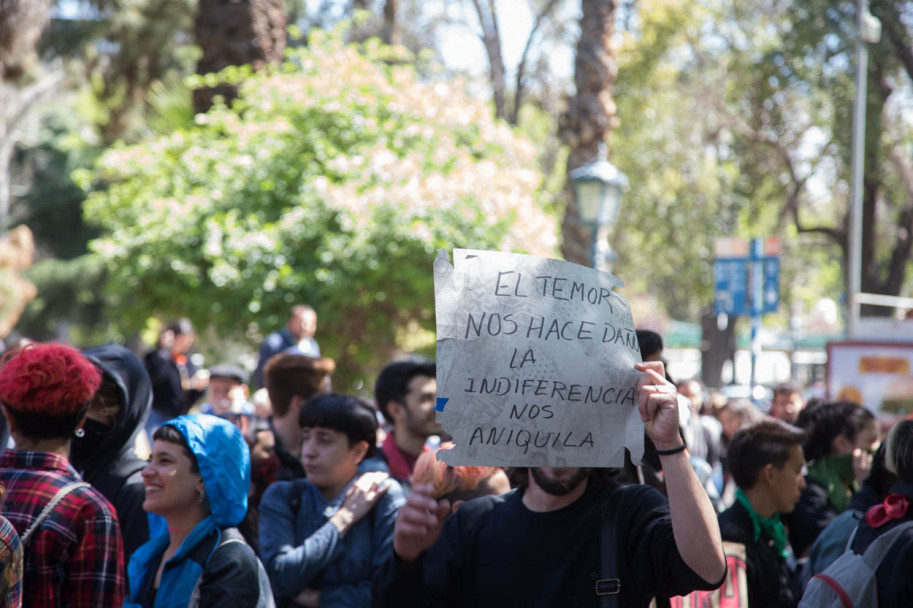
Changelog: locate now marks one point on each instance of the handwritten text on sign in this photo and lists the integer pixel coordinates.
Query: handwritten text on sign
(535, 361)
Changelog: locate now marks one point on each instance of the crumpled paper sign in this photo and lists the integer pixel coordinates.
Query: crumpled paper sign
(535, 362)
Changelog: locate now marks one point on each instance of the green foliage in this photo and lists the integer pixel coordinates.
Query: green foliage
(733, 115)
(69, 303)
(331, 181)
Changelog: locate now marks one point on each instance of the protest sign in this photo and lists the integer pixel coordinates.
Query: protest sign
(535, 362)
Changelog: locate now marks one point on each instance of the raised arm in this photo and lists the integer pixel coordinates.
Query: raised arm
(694, 522)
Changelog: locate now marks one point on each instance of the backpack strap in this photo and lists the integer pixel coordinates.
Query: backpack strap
(609, 586)
(881, 545)
(61, 494)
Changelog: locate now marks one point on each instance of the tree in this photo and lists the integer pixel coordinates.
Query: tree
(490, 36)
(16, 251)
(332, 181)
(249, 32)
(590, 116)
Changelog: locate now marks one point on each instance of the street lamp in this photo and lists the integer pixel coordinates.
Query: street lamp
(869, 33)
(598, 187)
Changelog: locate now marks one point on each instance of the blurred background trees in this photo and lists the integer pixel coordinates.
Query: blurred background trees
(339, 167)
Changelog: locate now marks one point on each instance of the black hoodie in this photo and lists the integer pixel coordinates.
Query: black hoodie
(108, 462)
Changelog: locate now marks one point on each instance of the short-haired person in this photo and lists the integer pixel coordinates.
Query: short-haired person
(840, 439)
(104, 454)
(405, 393)
(176, 382)
(322, 538)
(197, 479)
(539, 545)
(75, 556)
(297, 338)
(290, 381)
(894, 583)
(767, 465)
(227, 396)
(787, 402)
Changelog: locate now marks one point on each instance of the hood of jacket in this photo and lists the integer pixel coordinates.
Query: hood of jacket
(120, 365)
(224, 461)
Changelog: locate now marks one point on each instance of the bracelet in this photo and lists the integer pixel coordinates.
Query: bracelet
(680, 448)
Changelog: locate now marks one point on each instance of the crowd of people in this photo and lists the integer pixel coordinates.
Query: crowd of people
(295, 495)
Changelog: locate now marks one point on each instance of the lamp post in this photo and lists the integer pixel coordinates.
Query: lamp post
(869, 33)
(598, 187)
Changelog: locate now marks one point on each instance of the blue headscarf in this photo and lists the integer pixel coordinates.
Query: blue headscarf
(224, 462)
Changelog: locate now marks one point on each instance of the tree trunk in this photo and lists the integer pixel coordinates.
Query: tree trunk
(491, 38)
(717, 347)
(590, 114)
(237, 32)
(390, 33)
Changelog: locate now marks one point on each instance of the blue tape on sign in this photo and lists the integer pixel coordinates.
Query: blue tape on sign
(441, 402)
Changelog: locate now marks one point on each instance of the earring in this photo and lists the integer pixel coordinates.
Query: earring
(202, 496)
(79, 432)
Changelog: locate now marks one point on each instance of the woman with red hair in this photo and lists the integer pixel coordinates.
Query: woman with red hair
(69, 531)
(458, 484)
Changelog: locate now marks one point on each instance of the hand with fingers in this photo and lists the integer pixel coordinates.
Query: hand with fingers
(359, 500)
(657, 400)
(419, 523)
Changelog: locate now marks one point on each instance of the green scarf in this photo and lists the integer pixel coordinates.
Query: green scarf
(772, 525)
(836, 474)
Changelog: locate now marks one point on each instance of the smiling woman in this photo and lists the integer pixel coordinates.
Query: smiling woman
(197, 478)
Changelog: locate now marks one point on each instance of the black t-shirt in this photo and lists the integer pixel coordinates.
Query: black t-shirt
(496, 552)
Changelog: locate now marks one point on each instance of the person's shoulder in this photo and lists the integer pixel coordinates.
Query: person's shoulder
(484, 505)
(395, 493)
(637, 496)
(733, 525)
(90, 500)
(283, 490)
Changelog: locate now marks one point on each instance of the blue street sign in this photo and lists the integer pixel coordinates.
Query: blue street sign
(731, 278)
(734, 279)
(771, 284)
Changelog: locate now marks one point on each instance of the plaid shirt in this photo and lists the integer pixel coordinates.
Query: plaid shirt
(83, 527)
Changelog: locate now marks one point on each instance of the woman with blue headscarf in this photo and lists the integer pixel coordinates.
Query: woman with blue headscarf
(197, 479)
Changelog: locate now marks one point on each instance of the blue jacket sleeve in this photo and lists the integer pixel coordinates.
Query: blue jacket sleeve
(384, 517)
(292, 567)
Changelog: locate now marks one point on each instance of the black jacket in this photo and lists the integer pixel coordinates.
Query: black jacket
(771, 583)
(895, 586)
(168, 395)
(109, 463)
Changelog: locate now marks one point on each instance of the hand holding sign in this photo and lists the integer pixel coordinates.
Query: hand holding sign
(535, 362)
(658, 406)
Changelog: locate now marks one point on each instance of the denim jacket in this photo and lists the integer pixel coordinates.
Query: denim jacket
(302, 549)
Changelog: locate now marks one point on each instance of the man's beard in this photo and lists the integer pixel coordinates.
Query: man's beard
(560, 487)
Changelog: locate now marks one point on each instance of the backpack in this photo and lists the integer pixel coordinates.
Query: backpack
(850, 581)
(266, 593)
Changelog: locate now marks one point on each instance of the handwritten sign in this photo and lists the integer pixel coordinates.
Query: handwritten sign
(535, 362)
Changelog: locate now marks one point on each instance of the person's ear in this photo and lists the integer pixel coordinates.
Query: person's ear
(768, 473)
(81, 423)
(396, 410)
(359, 450)
(841, 445)
(295, 404)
